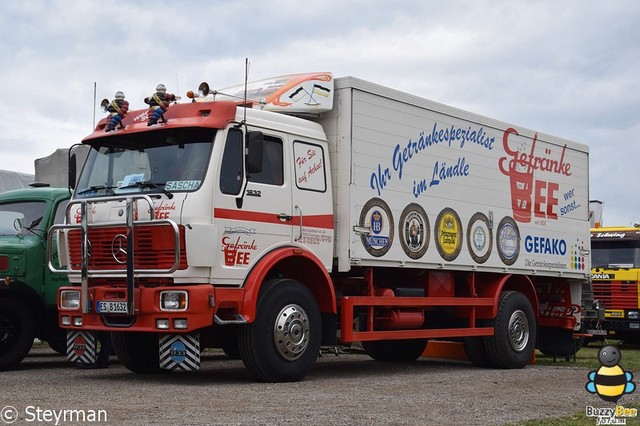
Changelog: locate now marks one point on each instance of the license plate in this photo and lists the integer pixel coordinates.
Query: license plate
(111, 307)
(597, 332)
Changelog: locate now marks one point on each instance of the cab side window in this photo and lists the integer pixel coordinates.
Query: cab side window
(272, 164)
(61, 210)
(231, 170)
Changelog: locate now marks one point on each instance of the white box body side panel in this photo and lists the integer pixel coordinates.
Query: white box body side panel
(420, 184)
(337, 126)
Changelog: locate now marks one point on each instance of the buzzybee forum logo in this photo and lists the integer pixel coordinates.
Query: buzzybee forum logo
(610, 382)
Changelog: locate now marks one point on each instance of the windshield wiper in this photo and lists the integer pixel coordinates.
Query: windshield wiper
(149, 184)
(35, 223)
(107, 189)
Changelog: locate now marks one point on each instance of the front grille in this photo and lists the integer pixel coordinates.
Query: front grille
(616, 295)
(153, 248)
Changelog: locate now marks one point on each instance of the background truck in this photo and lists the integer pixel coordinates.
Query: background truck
(324, 212)
(615, 274)
(28, 289)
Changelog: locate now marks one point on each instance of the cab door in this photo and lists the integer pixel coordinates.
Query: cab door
(255, 220)
(312, 199)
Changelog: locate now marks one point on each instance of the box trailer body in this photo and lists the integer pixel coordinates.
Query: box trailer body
(379, 217)
(465, 177)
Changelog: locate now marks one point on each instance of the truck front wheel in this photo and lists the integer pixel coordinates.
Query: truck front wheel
(139, 352)
(283, 342)
(17, 331)
(514, 338)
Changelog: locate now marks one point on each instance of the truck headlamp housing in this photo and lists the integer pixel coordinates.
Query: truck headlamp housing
(69, 299)
(180, 323)
(174, 300)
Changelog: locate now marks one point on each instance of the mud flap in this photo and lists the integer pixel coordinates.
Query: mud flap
(180, 352)
(81, 346)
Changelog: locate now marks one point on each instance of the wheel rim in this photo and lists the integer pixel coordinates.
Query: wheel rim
(291, 332)
(518, 331)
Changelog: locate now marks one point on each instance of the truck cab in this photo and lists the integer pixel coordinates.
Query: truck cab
(207, 202)
(29, 289)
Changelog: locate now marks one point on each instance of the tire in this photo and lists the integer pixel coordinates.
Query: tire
(59, 345)
(514, 339)
(139, 352)
(395, 350)
(283, 342)
(475, 347)
(376, 350)
(17, 331)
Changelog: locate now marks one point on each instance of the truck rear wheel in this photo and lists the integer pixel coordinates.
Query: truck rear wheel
(283, 342)
(17, 331)
(513, 342)
(395, 350)
(139, 352)
(475, 347)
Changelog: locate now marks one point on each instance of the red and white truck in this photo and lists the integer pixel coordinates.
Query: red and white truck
(304, 210)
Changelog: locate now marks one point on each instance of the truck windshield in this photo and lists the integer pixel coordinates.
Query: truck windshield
(169, 160)
(21, 218)
(615, 254)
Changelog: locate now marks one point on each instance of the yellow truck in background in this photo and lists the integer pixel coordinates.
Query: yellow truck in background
(615, 274)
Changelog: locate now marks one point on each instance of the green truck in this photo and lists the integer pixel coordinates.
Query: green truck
(28, 289)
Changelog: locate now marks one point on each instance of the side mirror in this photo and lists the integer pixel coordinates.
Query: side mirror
(255, 150)
(18, 224)
(73, 167)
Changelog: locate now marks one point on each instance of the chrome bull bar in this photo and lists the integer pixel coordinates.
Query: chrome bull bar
(130, 224)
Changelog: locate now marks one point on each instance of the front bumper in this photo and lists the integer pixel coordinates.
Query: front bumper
(147, 317)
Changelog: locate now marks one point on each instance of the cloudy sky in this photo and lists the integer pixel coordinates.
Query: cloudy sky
(568, 68)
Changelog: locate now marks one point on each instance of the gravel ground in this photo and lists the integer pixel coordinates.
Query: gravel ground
(348, 389)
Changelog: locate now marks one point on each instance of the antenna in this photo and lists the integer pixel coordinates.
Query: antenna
(246, 78)
(95, 85)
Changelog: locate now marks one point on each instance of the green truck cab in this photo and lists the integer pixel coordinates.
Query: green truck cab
(28, 308)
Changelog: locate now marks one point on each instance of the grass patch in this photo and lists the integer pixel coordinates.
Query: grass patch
(578, 419)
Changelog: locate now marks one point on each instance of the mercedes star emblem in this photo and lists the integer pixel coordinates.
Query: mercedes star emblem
(119, 248)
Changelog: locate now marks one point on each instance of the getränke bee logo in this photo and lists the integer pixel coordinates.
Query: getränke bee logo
(610, 381)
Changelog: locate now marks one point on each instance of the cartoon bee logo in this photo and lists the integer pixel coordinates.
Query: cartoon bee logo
(610, 381)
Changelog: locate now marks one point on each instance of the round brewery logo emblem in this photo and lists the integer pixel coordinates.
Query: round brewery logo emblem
(414, 231)
(479, 237)
(376, 215)
(508, 241)
(448, 234)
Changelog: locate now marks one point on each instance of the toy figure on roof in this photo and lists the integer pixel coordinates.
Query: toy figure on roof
(117, 110)
(158, 104)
